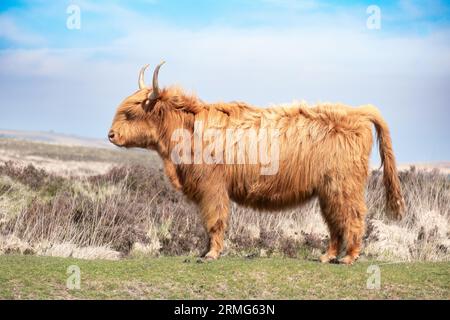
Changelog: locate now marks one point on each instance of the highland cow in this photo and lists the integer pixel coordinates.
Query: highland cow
(323, 151)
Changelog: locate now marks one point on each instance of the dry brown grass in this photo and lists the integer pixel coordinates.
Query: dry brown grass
(132, 210)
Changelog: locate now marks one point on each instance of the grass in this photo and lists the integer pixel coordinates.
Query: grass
(32, 277)
(24, 148)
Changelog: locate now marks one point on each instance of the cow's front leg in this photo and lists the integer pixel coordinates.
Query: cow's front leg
(214, 210)
(171, 173)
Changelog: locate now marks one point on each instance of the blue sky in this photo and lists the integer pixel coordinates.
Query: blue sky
(260, 51)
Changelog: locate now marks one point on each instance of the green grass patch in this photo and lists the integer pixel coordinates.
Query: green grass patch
(32, 277)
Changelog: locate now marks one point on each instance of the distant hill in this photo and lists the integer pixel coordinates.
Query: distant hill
(55, 138)
(443, 166)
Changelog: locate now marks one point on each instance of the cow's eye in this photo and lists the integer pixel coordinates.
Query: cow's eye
(129, 115)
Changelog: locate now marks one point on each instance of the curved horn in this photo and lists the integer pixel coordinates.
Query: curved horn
(155, 92)
(141, 77)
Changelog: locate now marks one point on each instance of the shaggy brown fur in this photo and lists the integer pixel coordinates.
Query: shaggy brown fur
(323, 152)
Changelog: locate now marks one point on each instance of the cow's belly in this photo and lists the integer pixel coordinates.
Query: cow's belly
(272, 200)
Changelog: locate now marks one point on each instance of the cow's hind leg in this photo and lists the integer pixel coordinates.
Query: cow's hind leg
(336, 232)
(344, 214)
(334, 246)
(214, 210)
(354, 230)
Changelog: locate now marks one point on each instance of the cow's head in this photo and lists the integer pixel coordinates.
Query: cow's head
(135, 123)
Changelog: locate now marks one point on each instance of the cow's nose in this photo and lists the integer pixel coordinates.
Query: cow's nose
(111, 135)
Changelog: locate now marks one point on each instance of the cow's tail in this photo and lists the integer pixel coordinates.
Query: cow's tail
(395, 204)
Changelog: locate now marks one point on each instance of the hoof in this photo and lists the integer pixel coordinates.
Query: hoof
(211, 255)
(325, 258)
(348, 260)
